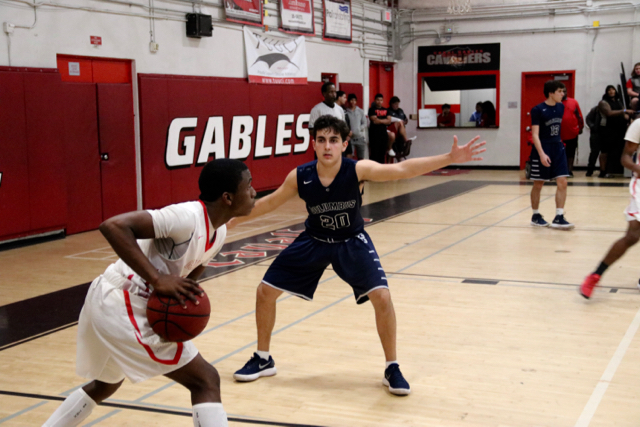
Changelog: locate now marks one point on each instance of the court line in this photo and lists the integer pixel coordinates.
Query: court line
(24, 411)
(593, 402)
(183, 413)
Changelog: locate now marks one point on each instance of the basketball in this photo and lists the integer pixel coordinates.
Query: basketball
(174, 323)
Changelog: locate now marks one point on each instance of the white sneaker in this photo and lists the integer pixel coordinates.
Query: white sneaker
(391, 153)
(412, 138)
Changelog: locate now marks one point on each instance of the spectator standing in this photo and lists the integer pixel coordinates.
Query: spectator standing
(341, 100)
(613, 126)
(633, 85)
(477, 115)
(572, 125)
(328, 106)
(357, 121)
(378, 139)
(595, 142)
(446, 119)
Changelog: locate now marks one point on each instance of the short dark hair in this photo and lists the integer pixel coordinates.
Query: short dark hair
(340, 93)
(550, 86)
(393, 100)
(220, 176)
(479, 103)
(378, 95)
(352, 96)
(333, 123)
(446, 106)
(325, 86)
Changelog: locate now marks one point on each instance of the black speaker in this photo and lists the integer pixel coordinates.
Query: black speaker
(199, 25)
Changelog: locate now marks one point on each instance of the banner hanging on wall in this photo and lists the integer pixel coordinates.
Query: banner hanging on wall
(244, 11)
(467, 57)
(297, 16)
(337, 20)
(273, 60)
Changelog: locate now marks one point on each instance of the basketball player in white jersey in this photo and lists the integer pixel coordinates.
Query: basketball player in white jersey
(165, 250)
(632, 213)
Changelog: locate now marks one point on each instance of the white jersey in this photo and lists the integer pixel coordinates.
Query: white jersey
(185, 239)
(632, 212)
(114, 336)
(323, 109)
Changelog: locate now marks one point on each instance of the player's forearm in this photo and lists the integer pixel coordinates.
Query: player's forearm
(419, 166)
(124, 243)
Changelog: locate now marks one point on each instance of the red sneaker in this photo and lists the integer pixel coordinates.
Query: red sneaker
(590, 282)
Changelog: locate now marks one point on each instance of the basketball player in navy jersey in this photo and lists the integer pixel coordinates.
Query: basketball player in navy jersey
(548, 158)
(334, 234)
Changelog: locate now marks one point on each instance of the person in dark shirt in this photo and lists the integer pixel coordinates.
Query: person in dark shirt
(446, 119)
(401, 144)
(334, 235)
(548, 159)
(378, 138)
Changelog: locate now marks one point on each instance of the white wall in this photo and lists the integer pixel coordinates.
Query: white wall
(595, 55)
(65, 27)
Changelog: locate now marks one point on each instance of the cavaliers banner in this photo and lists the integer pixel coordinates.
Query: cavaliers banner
(337, 20)
(466, 57)
(297, 16)
(274, 60)
(244, 11)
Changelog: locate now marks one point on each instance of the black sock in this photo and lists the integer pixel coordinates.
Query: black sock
(601, 269)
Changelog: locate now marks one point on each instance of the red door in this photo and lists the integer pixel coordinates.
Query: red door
(532, 95)
(380, 81)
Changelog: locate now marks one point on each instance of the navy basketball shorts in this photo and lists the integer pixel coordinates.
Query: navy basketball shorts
(558, 167)
(298, 268)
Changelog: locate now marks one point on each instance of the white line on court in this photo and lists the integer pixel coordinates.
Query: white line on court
(601, 388)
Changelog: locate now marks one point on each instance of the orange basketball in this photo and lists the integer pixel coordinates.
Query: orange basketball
(174, 323)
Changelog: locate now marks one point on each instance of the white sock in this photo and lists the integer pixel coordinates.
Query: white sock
(209, 415)
(559, 211)
(263, 354)
(389, 363)
(536, 211)
(412, 138)
(75, 409)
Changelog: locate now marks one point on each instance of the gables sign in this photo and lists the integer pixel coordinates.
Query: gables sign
(467, 57)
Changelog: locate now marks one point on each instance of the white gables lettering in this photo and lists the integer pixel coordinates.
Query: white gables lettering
(240, 145)
(283, 133)
(173, 156)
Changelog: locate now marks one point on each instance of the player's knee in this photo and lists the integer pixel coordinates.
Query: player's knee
(99, 391)
(381, 298)
(267, 293)
(206, 382)
(632, 237)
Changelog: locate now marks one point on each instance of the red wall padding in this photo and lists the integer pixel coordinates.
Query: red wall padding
(14, 165)
(117, 139)
(165, 98)
(82, 157)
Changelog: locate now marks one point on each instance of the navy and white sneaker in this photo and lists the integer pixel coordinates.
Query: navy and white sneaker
(538, 221)
(560, 223)
(255, 368)
(395, 381)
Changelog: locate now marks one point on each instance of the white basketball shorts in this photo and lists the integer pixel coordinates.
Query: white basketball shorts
(115, 339)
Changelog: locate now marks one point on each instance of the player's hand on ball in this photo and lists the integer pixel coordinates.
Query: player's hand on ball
(467, 152)
(178, 288)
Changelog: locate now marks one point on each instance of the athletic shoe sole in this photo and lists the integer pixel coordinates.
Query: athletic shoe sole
(396, 391)
(247, 378)
(535, 224)
(583, 295)
(562, 226)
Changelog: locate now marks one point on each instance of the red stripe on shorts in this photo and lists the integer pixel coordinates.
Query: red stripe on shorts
(174, 361)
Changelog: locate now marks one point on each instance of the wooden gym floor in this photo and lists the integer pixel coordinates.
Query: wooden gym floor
(491, 328)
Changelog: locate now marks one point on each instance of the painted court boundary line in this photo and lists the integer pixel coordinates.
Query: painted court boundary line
(592, 405)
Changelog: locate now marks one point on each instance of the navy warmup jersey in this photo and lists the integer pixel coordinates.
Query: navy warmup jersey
(334, 211)
(549, 119)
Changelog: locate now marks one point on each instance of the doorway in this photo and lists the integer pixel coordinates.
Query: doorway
(100, 138)
(532, 95)
(380, 81)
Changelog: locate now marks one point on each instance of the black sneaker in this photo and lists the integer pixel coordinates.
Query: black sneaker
(561, 223)
(538, 221)
(395, 381)
(255, 368)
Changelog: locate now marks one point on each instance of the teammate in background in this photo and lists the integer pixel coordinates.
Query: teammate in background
(632, 213)
(334, 234)
(548, 160)
(163, 250)
(571, 127)
(328, 106)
